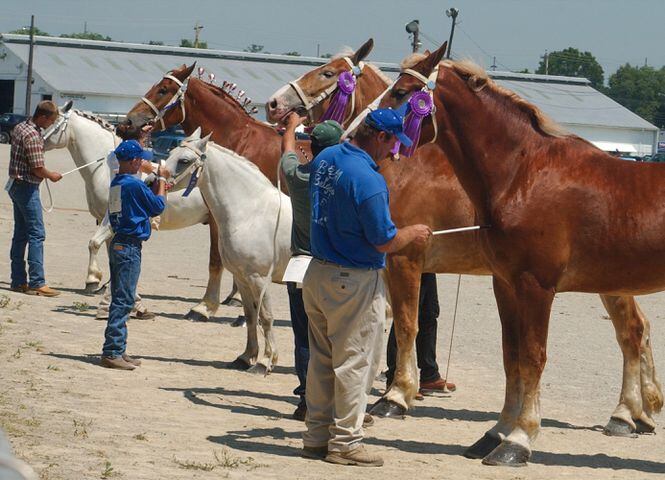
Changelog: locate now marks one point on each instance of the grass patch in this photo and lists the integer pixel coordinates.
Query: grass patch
(192, 465)
(4, 301)
(17, 353)
(108, 471)
(80, 306)
(140, 436)
(81, 427)
(222, 459)
(55, 368)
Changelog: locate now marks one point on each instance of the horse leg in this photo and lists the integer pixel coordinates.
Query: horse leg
(507, 306)
(102, 235)
(249, 356)
(208, 306)
(265, 365)
(233, 298)
(534, 304)
(630, 416)
(404, 285)
(652, 392)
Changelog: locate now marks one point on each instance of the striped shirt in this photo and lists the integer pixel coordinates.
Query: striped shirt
(27, 152)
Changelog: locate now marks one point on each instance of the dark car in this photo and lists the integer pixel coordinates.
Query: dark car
(658, 157)
(162, 145)
(7, 122)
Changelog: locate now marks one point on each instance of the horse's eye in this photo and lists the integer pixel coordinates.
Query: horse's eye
(399, 93)
(185, 160)
(328, 74)
(162, 91)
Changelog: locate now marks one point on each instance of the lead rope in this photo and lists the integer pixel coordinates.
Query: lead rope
(452, 332)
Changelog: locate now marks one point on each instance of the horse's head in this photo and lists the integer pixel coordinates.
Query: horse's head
(184, 160)
(310, 93)
(419, 73)
(57, 135)
(151, 106)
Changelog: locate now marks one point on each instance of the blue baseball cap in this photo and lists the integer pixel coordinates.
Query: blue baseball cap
(390, 121)
(131, 149)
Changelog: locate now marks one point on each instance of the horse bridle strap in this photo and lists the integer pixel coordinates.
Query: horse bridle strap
(309, 104)
(429, 86)
(192, 168)
(178, 97)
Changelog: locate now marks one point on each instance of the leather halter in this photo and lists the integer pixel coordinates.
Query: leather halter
(178, 97)
(429, 86)
(309, 103)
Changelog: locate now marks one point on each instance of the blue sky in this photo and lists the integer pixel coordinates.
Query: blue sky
(517, 32)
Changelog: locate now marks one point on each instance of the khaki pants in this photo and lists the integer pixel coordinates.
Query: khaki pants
(346, 309)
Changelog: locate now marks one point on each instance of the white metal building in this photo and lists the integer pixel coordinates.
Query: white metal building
(110, 77)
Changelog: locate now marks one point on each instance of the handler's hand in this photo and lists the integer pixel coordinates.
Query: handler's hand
(55, 177)
(421, 234)
(293, 120)
(163, 172)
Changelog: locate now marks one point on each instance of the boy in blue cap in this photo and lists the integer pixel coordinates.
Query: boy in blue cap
(343, 291)
(131, 204)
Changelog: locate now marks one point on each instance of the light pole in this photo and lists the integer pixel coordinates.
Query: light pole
(452, 12)
(413, 27)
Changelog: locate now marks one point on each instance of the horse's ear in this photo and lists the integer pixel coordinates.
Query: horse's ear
(196, 134)
(67, 106)
(188, 70)
(428, 64)
(204, 142)
(363, 51)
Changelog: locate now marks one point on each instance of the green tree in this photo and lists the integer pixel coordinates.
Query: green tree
(155, 42)
(641, 90)
(26, 31)
(327, 55)
(190, 44)
(571, 62)
(254, 48)
(292, 54)
(87, 36)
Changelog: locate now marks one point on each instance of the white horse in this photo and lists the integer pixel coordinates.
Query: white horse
(89, 138)
(254, 244)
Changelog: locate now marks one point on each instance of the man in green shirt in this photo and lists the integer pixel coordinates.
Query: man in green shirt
(297, 179)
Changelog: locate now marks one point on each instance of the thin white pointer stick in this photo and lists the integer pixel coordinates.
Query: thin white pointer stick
(83, 166)
(455, 230)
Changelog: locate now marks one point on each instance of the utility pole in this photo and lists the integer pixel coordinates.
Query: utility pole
(546, 59)
(318, 49)
(28, 87)
(197, 29)
(452, 12)
(413, 27)
(493, 67)
(85, 27)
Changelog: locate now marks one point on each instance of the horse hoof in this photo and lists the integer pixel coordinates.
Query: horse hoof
(232, 302)
(239, 364)
(508, 454)
(387, 409)
(482, 447)
(643, 427)
(619, 428)
(241, 321)
(259, 369)
(91, 288)
(196, 316)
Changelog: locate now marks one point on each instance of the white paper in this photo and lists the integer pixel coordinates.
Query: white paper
(8, 185)
(115, 200)
(296, 269)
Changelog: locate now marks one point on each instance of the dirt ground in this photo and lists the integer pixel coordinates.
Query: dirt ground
(184, 415)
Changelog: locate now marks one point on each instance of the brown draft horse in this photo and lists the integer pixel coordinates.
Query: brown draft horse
(564, 216)
(413, 183)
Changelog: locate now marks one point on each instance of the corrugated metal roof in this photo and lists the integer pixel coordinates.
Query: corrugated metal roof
(74, 66)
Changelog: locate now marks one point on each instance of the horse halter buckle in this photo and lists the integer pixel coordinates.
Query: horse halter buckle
(178, 96)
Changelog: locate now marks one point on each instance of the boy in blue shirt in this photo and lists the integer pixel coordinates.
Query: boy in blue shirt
(131, 204)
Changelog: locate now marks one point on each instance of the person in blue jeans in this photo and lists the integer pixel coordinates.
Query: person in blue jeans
(131, 204)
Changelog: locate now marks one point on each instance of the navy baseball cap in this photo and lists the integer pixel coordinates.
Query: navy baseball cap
(389, 120)
(131, 149)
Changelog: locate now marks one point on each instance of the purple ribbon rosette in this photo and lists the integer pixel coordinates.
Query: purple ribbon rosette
(346, 84)
(419, 106)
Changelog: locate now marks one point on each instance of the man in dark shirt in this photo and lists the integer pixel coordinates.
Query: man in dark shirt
(131, 204)
(26, 172)
(297, 179)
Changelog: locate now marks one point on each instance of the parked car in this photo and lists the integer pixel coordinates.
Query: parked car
(162, 145)
(7, 122)
(658, 157)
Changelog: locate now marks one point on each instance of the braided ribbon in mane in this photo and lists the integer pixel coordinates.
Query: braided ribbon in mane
(418, 107)
(346, 84)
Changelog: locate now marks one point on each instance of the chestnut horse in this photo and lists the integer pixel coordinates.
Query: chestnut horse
(413, 182)
(564, 216)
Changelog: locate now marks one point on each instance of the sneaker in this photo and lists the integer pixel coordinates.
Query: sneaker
(439, 385)
(359, 456)
(23, 288)
(300, 412)
(316, 453)
(43, 291)
(116, 362)
(134, 361)
(147, 315)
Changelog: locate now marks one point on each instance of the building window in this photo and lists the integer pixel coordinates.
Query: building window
(47, 96)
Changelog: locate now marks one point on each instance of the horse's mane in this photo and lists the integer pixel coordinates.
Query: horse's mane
(100, 121)
(478, 79)
(243, 161)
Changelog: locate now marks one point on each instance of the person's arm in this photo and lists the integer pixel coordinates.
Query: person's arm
(147, 167)
(289, 139)
(418, 234)
(43, 172)
(159, 185)
(34, 151)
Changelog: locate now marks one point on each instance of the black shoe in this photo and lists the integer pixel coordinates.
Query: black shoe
(300, 412)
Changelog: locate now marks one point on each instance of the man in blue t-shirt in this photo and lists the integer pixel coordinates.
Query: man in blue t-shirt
(131, 204)
(343, 290)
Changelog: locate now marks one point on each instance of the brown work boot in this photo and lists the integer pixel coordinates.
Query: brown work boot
(316, 453)
(43, 291)
(359, 456)
(439, 385)
(23, 288)
(134, 361)
(147, 315)
(116, 362)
